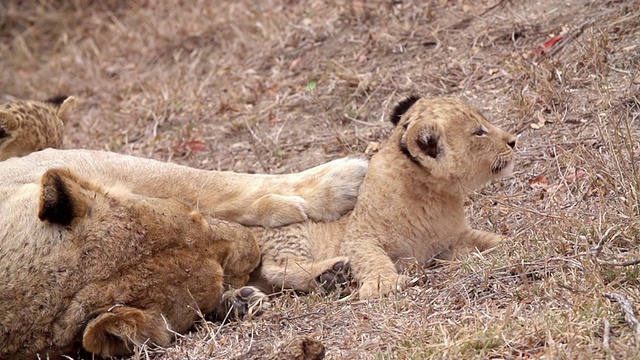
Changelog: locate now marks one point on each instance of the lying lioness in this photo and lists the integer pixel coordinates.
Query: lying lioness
(101, 252)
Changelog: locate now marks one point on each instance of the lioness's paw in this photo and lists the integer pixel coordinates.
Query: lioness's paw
(277, 210)
(379, 288)
(337, 192)
(244, 303)
(337, 277)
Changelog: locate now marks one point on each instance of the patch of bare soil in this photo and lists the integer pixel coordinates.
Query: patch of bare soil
(278, 86)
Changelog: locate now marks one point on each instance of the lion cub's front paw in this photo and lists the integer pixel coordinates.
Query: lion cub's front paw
(335, 278)
(244, 303)
(495, 241)
(483, 240)
(378, 288)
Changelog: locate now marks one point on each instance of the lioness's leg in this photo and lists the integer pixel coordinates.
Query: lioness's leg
(322, 193)
(115, 331)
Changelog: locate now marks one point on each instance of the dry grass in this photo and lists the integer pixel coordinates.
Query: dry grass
(228, 87)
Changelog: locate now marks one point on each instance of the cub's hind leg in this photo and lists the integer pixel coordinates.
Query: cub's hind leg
(306, 276)
(291, 261)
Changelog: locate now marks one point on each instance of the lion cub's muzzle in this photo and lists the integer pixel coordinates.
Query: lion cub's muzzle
(503, 165)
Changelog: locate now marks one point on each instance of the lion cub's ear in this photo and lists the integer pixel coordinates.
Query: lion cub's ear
(402, 108)
(62, 198)
(8, 124)
(425, 141)
(65, 105)
(429, 143)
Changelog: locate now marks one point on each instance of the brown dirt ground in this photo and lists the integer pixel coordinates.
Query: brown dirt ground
(278, 86)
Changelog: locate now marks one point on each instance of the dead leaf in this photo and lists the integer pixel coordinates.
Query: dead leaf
(546, 46)
(195, 146)
(294, 63)
(577, 175)
(540, 123)
(539, 182)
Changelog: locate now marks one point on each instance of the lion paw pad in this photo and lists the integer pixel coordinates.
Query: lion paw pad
(335, 278)
(245, 303)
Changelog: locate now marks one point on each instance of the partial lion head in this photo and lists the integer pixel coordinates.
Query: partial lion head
(29, 126)
(108, 266)
(452, 141)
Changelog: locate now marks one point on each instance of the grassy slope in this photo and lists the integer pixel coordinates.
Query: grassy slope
(226, 87)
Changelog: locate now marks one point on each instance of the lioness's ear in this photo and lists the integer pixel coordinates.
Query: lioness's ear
(116, 331)
(61, 199)
(402, 108)
(65, 105)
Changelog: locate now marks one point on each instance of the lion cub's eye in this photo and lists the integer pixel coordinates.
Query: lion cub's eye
(480, 132)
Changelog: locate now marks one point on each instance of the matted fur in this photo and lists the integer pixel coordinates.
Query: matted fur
(106, 251)
(28, 126)
(410, 206)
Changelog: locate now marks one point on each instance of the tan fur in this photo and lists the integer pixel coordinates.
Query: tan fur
(82, 264)
(107, 251)
(322, 193)
(410, 205)
(29, 126)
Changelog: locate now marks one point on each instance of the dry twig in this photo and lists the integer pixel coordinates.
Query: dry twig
(629, 314)
(623, 263)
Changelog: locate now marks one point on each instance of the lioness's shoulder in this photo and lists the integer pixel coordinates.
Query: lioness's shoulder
(28, 126)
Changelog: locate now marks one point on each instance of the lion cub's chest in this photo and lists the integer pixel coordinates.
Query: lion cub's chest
(411, 222)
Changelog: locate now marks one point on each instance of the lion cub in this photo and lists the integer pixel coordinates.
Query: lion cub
(29, 126)
(410, 205)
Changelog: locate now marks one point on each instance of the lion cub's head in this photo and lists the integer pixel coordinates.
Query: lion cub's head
(29, 126)
(452, 141)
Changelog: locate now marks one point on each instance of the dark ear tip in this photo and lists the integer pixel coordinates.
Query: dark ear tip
(57, 100)
(56, 203)
(402, 108)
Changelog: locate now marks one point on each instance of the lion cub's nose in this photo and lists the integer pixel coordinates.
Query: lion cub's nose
(512, 143)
